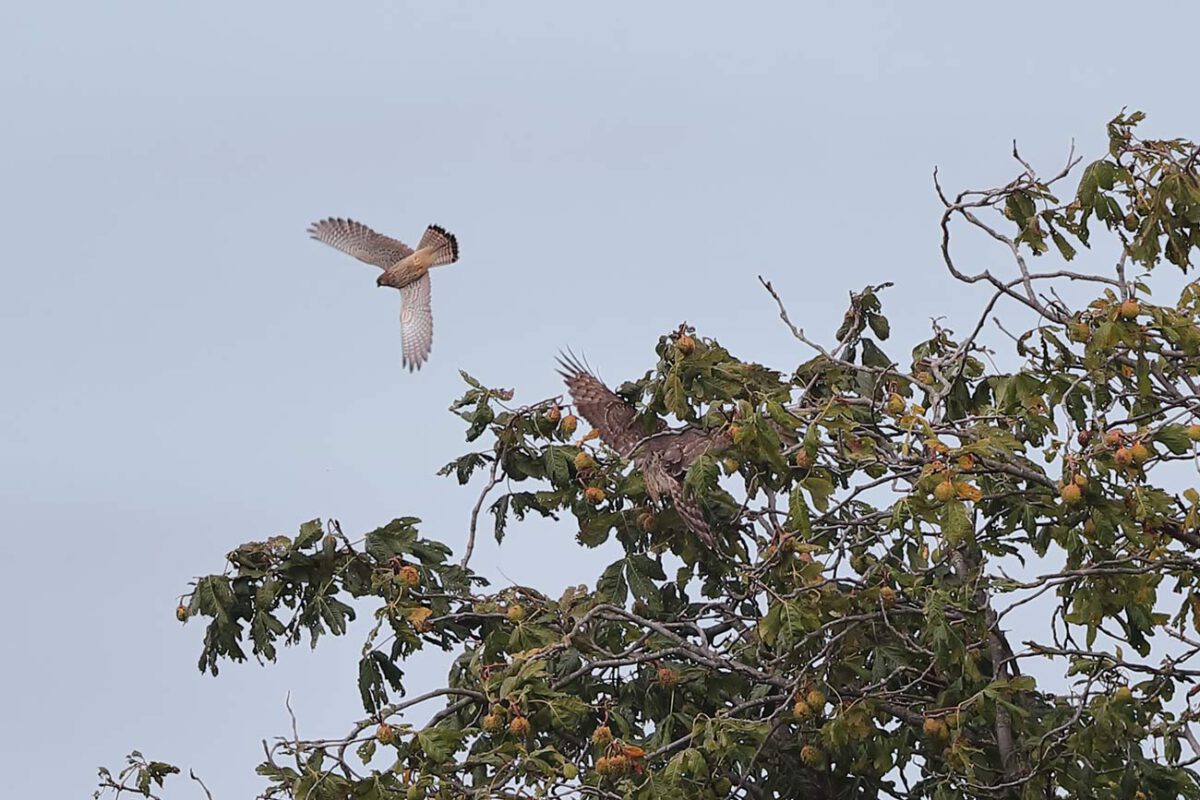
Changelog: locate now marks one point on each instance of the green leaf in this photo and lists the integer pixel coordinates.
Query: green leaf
(310, 532)
(1064, 247)
(872, 356)
(879, 326)
(1174, 438)
(797, 518)
(612, 587)
(439, 744)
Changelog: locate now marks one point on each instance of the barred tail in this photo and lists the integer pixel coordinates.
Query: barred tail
(687, 509)
(442, 245)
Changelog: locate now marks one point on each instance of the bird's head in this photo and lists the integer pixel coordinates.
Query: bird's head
(380, 280)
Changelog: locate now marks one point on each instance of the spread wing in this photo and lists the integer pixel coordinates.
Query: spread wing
(359, 241)
(678, 449)
(416, 322)
(614, 418)
(662, 457)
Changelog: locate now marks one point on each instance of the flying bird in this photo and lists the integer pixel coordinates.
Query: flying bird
(663, 455)
(403, 268)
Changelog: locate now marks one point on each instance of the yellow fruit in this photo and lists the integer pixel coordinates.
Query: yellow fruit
(602, 736)
(1081, 481)
(584, 461)
(515, 613)
(1140, 453)
(667, 678)
(1123, 694)
(1114, 437)
(895, 404)
(419, 619)
(1123, 456)
(888, 596)
(604, 765)
(686, 344)
(944, 492)
(408, 574)
(1130, 309)
(815, 699)
(594, 495)
(731, 465)
(493, 723)
(968, 491)
(737, 433)
(966, 462)
(567, 425)
(519, 727)
(801, 710)
(181, 613)
(812, 755)
(803, 459)
(935, 729)
(385, 734)
(1193, 432)
(553, 415)
(1071, 494)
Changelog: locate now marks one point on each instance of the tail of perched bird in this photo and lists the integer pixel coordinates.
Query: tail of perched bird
(440, 244)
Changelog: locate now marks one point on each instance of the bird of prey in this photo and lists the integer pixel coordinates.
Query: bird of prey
(663, 456)
(403, 268)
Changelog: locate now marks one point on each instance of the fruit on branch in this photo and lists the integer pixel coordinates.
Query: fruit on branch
(944, 492)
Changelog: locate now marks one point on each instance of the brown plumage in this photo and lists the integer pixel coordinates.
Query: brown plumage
(403, 268)
(663, 455)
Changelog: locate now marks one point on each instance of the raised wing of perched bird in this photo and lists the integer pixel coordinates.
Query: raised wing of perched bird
(403, 268)
(663, 456)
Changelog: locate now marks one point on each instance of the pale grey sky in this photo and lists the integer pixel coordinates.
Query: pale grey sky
(184, 370)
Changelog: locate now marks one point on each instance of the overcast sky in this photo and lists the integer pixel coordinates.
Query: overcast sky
(184, 370)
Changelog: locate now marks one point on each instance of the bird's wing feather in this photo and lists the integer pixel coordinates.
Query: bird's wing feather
(678, 449)
(416, 322)
(359, 241)
(605, 410)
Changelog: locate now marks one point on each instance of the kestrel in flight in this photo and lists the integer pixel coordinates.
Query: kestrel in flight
(662, 454)
(403, 268)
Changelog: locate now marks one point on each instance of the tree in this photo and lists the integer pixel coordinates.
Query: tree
(880, 524)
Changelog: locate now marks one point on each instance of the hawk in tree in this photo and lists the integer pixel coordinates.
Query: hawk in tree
(663, 456)
(403, 268)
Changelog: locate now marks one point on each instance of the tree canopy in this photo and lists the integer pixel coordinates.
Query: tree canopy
(934, 576)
